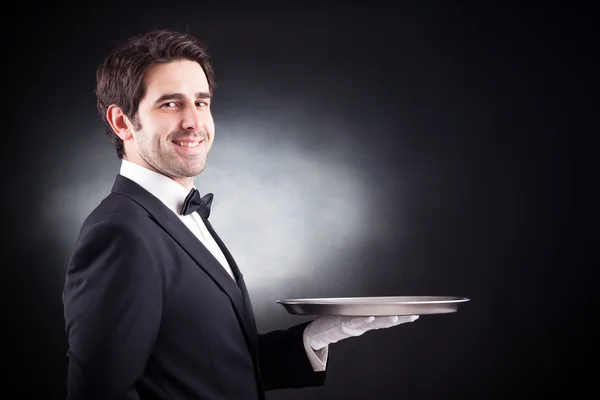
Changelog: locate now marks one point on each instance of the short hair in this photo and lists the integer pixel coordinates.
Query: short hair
(119, 78)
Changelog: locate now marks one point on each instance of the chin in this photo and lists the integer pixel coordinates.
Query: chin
(196, 171)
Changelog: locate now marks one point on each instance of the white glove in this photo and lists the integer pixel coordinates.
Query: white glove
(330, 329)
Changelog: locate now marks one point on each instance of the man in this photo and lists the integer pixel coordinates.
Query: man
(155, 305)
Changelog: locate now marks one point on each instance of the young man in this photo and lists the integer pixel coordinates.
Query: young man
(155, 305)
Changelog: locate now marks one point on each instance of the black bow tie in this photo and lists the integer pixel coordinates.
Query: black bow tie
(193, 202)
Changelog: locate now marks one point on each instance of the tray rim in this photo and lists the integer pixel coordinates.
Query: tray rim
(381, 299)
(374, 306)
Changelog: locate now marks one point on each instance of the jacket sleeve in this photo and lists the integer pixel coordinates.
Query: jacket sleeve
(112, 308)
(283, 360)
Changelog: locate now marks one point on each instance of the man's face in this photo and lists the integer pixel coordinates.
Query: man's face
(174, 129)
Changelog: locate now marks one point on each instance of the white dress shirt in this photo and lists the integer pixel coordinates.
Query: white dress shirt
(172, 194)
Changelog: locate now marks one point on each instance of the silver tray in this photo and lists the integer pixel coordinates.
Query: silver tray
(374, 306)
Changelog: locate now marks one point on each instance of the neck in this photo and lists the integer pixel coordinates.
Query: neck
(187, 183)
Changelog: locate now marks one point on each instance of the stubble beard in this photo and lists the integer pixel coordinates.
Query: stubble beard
(165, 160)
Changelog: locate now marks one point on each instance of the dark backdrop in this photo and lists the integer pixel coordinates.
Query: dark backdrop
(360, 151)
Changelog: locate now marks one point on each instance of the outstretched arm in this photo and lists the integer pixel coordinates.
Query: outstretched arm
(112, 307)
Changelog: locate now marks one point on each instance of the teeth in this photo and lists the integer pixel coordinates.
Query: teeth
(187, 144)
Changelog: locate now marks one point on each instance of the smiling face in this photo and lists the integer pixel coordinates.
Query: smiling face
(173, 130)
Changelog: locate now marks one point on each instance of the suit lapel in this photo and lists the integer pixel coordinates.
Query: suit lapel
(203, 257)
(249, 313)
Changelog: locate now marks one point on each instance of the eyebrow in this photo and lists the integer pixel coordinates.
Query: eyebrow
(179, 96)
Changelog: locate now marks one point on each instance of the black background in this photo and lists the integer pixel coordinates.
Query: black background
(466, 127)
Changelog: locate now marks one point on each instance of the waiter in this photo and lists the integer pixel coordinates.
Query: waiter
(154, 304)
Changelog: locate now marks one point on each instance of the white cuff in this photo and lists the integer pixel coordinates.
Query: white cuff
(317, 358)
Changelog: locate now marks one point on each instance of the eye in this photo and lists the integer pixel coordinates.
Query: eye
(169, 104)
(201, 104)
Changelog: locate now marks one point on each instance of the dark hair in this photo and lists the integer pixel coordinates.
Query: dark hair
(119, 79)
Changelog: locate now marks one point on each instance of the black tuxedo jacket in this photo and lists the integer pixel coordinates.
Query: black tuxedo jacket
(151, 314)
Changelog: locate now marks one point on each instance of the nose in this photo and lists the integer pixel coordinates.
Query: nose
(193, 118)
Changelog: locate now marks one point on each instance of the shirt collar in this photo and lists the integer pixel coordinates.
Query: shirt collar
(171, 193)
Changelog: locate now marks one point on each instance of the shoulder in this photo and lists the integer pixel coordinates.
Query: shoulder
(113, 238)
(116, 210)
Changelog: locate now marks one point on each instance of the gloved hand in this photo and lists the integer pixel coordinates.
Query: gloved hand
(330, 329)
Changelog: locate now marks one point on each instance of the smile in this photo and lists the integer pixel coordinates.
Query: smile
(187, 144)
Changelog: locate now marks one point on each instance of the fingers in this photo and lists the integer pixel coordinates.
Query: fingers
(382, 321)
(356, 322)
(410, 318)
(331, 329)
(387, 322)
(358, 326)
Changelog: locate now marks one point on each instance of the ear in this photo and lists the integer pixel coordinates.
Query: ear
(119, 122)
